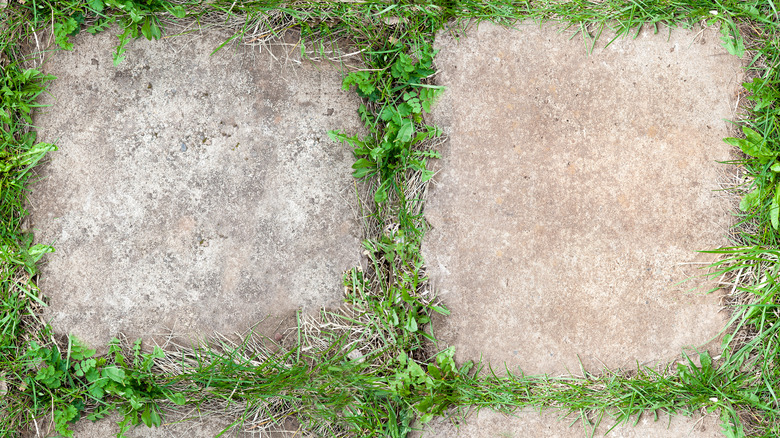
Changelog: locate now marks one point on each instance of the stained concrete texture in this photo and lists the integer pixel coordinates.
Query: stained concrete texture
(550, 424)
(190, 192)
(574, 192)
(173, 427)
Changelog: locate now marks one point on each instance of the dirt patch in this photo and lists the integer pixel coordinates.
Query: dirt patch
(574, 192)
(190, 192)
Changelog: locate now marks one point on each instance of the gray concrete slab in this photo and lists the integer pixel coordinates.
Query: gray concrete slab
(574, 192)
(174, 427)
(549, 424)
(190, 192)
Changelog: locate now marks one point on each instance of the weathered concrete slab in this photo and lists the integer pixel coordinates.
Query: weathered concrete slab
(548, 424)
(206, 427)
(574, 190)
(191, 192)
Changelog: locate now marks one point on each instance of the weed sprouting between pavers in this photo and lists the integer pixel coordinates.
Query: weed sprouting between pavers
(370, 370)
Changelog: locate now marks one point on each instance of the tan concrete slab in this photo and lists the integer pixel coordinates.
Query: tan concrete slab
(192, 193)
(574, 190)
(549, 424)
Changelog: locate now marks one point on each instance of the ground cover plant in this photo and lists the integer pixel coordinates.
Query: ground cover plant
(324, 381)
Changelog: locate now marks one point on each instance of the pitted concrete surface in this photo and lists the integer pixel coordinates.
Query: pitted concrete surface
(574, 193)
(549, 424)
(173, 427)
(190, 192)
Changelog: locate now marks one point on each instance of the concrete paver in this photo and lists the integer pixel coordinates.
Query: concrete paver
(574, 192)
(174, 427)
(549, 424)
(190, 192)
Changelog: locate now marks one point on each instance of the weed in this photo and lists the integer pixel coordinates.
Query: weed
(136, 18)
(397, 128)
(79, 381)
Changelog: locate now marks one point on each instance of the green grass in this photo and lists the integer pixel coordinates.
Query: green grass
(370, 370)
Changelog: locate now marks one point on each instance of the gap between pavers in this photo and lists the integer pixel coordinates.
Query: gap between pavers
(573, 195)
(192, 193)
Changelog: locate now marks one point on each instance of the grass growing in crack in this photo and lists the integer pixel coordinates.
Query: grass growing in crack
(20, 298)
(331, 392)
(368, 371)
